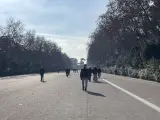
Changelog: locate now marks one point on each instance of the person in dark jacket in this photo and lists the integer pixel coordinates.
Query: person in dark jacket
(42, 73)
(67, 72)
(58, 70)
(95, 72)
(90, 73)
(84, 75)
(99, 72)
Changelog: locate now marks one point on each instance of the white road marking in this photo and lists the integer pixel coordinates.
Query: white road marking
(153, 106)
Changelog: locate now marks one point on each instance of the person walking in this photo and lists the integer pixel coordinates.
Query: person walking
(67, 72)
(42, 74)
(95, 72)
(84, 75)
(99, 73)
(58, 70)
(90, 73)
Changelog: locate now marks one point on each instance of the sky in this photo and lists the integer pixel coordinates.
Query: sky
(67, 22)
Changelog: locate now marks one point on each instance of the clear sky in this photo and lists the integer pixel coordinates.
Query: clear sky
(67, 22)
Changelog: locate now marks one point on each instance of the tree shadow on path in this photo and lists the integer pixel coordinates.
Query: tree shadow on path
(96, 94)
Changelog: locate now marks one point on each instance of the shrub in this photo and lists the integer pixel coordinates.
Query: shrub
(157, 75)
(147, 73)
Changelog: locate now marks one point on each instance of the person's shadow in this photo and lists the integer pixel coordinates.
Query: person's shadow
(43, 81)
(96, 94)
(101, 82)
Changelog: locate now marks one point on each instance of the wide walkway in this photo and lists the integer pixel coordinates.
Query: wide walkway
(61, 98)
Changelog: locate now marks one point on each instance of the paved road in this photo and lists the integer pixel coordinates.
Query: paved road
(61, 98)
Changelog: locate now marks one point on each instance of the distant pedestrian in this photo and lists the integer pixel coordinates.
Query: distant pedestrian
(67, 72)
(90, 73)
(84, 75)
(99, 73)
(42, 74)
(95, 72)
(58, 70)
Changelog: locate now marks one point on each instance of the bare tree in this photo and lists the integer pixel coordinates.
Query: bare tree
(22, 51)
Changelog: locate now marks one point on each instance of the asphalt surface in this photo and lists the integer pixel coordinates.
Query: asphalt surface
(61, 98)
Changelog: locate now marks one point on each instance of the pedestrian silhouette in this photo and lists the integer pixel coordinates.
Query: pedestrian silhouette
(58, 70)
(84, 75)
(67, 72)
(95, 72)
(90, 73)
(42, 73)
(96, 94)
(99, 73)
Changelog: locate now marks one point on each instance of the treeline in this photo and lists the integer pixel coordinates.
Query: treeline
(23, 52)
(127, 39)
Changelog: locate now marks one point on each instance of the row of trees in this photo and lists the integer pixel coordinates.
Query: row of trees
(127, 35)
(22, 51)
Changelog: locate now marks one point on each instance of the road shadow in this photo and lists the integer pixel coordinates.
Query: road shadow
(68, 77)
(9, 77)
(101, 82)
(43, 81)
(13, 77)
(96, 94)
(98, 82)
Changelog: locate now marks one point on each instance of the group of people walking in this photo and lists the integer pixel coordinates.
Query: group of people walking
(86, 74)
(96, 73)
